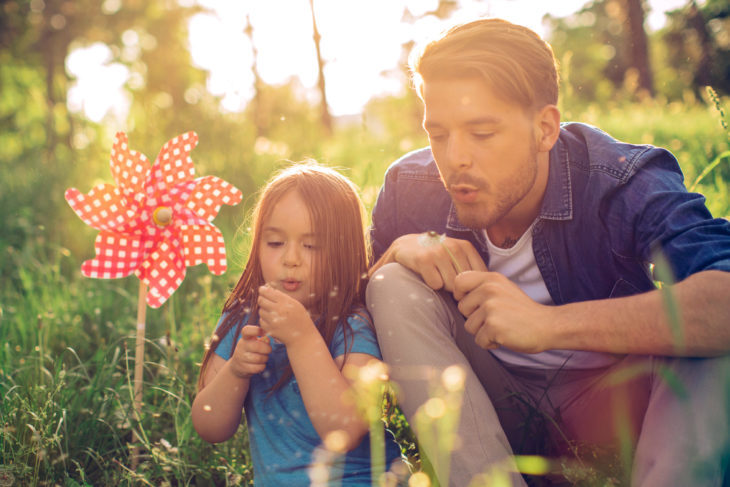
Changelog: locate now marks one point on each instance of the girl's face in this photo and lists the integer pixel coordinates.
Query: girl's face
(288, 249)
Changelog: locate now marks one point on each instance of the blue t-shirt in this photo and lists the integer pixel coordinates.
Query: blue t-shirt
(282, 438)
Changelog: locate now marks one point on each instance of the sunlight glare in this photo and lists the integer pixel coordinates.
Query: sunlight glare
(98, 86)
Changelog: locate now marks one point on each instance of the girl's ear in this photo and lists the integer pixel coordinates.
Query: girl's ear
(547, 127)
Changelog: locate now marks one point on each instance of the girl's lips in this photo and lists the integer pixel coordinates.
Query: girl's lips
(464, 193)
(290, 285)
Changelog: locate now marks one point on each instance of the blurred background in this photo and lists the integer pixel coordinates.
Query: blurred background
(262, 83)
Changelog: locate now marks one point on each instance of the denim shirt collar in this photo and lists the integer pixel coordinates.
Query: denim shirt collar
(557, 203)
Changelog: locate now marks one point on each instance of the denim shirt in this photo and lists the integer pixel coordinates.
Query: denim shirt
(608, 209)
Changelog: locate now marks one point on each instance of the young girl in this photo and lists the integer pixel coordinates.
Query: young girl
(291, 324)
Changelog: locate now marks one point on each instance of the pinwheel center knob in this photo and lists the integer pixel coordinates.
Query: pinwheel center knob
(162, 216)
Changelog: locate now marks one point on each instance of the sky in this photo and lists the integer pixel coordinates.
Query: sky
(361, 40)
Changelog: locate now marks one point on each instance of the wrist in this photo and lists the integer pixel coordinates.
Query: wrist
(238, 373)
(303, 339)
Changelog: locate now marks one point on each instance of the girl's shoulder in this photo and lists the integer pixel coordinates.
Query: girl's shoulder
(356, 334)
(360, 317)
(227, 332)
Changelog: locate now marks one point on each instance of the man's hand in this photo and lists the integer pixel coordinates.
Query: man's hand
(435, 258)
(500, 314)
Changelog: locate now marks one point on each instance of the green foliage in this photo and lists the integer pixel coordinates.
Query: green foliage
(66, 414)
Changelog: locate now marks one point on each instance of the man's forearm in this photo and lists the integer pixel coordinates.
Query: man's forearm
(642, 324)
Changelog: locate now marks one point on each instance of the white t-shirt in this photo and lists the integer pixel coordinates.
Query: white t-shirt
(518, 264)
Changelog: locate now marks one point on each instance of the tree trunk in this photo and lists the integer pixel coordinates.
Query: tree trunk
(326, 117)
(696, 22)
(259, 122)
(639, 45)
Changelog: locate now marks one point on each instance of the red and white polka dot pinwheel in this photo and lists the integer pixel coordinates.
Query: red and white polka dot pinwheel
(156, 221)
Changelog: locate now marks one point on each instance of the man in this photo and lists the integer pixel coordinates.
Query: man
(542, 287)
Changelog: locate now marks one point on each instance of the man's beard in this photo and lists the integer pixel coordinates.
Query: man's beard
(500, 201)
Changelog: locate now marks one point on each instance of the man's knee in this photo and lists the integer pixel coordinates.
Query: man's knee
(397, 295)
(391, 283)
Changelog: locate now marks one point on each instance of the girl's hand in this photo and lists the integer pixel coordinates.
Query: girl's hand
(251, 353)
(282, 316)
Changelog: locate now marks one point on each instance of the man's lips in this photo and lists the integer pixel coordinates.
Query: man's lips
(464, 193)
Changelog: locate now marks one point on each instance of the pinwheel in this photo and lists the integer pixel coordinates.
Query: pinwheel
(154, 223)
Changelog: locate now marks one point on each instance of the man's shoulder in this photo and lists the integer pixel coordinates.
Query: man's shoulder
(415, 164)
(593, 150)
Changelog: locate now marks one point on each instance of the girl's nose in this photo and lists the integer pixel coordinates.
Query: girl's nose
(291, 256)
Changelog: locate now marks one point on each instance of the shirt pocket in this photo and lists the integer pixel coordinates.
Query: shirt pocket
(622, 287)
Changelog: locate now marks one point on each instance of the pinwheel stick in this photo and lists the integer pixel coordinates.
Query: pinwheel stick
(139, 363)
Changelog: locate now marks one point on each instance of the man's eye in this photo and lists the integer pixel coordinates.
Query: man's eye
(482, 135)
(437, 137)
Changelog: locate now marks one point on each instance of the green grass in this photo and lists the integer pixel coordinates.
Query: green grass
(66, 342)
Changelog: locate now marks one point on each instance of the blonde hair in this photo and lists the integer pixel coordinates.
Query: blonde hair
(340, 268)
(513, 60)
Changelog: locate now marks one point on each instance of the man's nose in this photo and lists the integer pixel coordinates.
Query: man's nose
(457, 153)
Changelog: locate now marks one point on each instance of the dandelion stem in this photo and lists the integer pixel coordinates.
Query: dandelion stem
(453, 259)
(435, 235)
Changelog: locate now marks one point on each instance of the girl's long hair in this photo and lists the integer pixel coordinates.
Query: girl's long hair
(340, 266)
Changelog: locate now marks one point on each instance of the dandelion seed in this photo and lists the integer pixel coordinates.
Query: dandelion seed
(431, 238)
(364, 275)
(334, 292)
(435, 408)
(375, 370)
(419, 479)
(336, 441)
(318, 474)
(207, 408)
(453, 378)
(61, 458)
(165, 443)
(215, 338)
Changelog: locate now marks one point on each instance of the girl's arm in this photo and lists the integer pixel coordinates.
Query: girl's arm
(326, 392)
(218, 406)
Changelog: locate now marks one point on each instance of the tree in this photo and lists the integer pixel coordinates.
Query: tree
(324, 107)
(604, 37)
(638, 45)
(697, 40)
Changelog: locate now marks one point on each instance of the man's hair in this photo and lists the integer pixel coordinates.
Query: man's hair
(513, 60)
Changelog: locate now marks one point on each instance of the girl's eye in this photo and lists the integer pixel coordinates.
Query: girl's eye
(483, 136)
(310, 246)
(274, 243)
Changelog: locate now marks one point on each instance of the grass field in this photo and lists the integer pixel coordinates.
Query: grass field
(67, 342)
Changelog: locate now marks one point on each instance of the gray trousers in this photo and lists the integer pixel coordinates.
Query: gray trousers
(669, 414)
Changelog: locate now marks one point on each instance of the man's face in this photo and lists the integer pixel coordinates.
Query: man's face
(484, 147)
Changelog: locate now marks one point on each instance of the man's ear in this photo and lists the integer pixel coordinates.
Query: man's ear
(547, 127)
